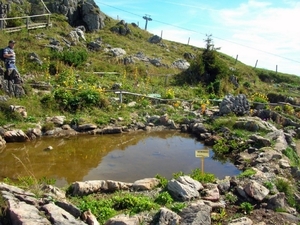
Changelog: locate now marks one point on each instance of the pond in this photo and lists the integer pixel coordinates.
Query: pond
(120, 157)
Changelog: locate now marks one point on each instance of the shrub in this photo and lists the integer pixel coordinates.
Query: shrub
(246, 207)
(133, 204)
(164, 198)
(198, 175)
(162, 180)
(71, 57)
(231, 198)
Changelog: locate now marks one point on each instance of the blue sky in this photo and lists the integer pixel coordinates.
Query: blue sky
(265, 31)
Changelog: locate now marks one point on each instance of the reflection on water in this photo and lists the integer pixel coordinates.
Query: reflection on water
(122, 157)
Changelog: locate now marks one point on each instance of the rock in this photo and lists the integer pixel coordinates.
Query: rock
(195, 214)
(254, 124)
(199, 128)
(260, 141)
(181, 64)
(145, 184)
(89, 218)
(78, 12)
(19, 109)
(2, 142)
(224, 185)
(167, 216)
(238, 105)
(241, 221)
(15, 136)
(22, 213)
(88, 187)
(284, 164)
(256, 191)
(58, 120)
(59, 216)
(117, 52)
(123, 220)
(184, 188)
(211, 192)
(155, 39)
(276, 201)
(117, 185)
(86, 127)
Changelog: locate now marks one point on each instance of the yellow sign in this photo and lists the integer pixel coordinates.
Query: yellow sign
(202, 153)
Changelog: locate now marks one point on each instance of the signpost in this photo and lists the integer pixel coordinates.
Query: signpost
(202, 154)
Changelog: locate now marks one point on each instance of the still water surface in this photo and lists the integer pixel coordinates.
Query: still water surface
(120, 157)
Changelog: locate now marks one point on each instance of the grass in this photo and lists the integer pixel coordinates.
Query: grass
(139, 77)
(247, 173)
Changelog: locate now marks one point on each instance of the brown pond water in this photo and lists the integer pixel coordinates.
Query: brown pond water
(120, 157)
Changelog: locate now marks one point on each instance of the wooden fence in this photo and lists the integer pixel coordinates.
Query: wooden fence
(27, 22)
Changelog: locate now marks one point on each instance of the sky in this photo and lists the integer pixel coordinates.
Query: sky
(256, 32)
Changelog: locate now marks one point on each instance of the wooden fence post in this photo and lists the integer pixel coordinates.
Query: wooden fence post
(27, 23)
(236, 59)
(120, 97)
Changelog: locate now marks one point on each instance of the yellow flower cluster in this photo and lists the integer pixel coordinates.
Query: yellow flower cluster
(259, 97)
(170, 93)
(204, 103)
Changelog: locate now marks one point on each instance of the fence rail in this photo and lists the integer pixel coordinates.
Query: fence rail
(28, 23)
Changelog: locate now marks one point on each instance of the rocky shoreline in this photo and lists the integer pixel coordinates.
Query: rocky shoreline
(264, 155)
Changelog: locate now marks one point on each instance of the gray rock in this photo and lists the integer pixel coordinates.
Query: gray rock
(168, 217)
(117, 52)
(59, 216)
(123, 220)
(241, 221)
(256, 191)
(238, 105)
(181, 64)
(155, 39)
(184, 188)
(195, 214)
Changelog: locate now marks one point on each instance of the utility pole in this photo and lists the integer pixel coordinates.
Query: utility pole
(147, 18)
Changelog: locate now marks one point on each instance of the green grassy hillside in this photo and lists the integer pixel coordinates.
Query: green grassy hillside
(81, 79)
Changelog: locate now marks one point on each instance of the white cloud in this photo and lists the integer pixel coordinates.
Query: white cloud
(267, 30)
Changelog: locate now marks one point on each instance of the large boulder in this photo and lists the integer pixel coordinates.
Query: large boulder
(80, 13)
(238, 105)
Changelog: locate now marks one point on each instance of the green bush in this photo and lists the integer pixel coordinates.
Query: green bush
(164, 198)
(133, 204)
(231, 198)
(102, 209)
(71, 57)
(198, 175)
(162, 180)
(246, 207)
(73, 100)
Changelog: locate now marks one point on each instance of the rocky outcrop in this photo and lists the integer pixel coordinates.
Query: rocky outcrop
(80, 13)
(238, 105)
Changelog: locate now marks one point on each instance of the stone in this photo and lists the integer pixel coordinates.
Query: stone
(256, 190)
(241, 221)
(195, 214)
(184, 189)
(145, 184)
(166, 216)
